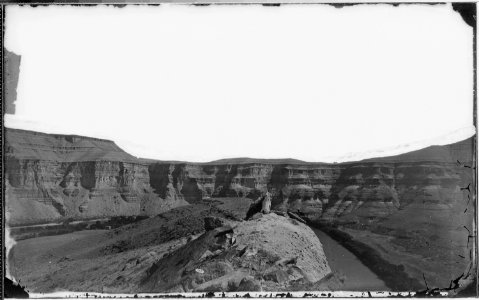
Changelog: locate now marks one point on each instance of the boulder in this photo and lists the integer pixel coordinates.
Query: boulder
(213, 222)
(248, 285)
(276, 275)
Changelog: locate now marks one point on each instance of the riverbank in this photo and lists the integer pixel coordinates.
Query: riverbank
(50, 229)
(394, 276)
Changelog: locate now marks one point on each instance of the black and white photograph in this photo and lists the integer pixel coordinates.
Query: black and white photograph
(239, 149)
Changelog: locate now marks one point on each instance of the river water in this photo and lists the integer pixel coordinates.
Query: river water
(60, 223)
(357, 277)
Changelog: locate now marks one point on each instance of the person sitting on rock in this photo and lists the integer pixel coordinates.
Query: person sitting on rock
(261, 205)
(266, 205)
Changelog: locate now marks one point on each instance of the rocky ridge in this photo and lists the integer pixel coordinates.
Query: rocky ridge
(194, 248)
(267, 253)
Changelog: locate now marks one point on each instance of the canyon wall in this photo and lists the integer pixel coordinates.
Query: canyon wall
(57, 177)
(326, 193)
(51, 177)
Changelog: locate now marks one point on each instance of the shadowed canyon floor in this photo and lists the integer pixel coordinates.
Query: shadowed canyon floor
(406, 221)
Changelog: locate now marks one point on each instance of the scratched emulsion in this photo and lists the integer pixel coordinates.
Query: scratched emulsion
(12, 72)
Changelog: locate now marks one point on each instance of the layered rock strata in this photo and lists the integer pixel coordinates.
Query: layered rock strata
(54, 177)
(50, 177)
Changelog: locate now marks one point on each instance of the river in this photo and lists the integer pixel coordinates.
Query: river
(58, 224)
(357, 277)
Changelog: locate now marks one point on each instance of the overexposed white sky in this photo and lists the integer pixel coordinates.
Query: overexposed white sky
(311, 82)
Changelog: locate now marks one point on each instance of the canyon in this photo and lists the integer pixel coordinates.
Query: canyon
(53, 177)
(409, 218)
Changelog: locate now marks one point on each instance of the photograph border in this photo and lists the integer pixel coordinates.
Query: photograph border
(466, 9)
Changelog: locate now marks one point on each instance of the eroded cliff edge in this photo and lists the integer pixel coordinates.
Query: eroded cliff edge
(53, 177)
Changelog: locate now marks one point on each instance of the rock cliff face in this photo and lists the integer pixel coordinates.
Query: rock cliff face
(50, 177)
(54, 177)
(354, 191)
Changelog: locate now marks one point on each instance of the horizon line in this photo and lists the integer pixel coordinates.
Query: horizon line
(409, 147)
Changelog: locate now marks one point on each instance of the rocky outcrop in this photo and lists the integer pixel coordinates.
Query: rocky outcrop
(55, 176)
(270, 253)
